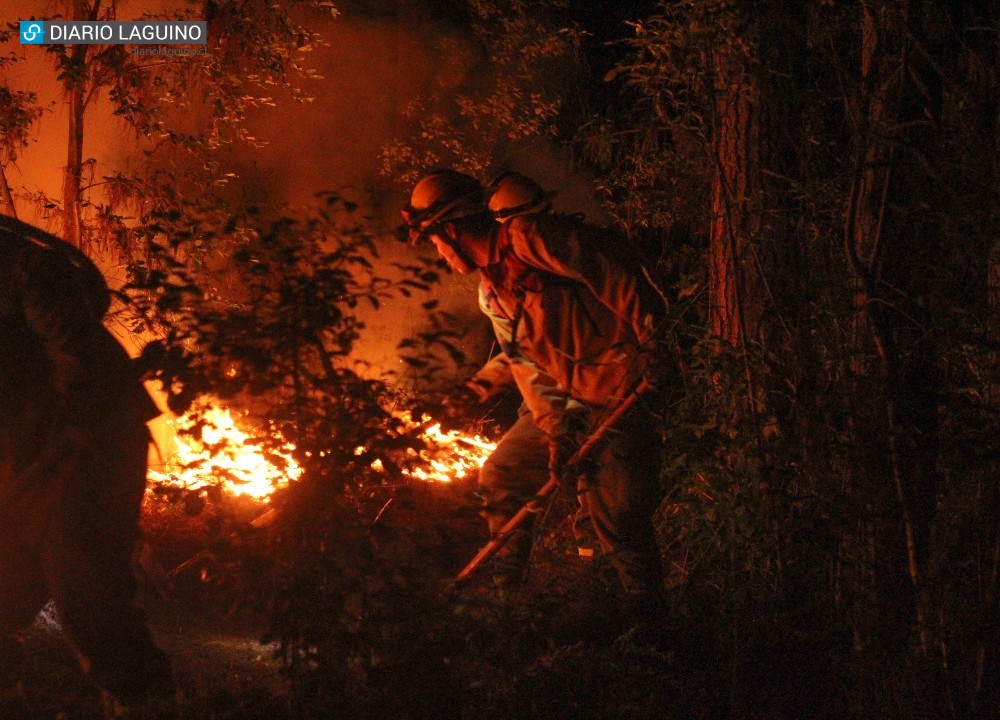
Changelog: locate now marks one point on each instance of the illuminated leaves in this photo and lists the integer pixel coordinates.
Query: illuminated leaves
(517, 100)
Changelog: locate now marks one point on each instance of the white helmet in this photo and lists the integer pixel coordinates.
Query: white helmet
(441, 196)
(512, 193)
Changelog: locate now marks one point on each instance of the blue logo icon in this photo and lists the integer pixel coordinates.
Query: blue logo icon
(32, 32)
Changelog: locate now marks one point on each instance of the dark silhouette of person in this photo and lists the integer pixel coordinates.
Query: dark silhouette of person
(73, 454)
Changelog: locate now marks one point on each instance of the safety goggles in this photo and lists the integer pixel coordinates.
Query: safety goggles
(426, 222)
(415, 225)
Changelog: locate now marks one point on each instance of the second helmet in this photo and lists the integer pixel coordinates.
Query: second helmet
(513, 194)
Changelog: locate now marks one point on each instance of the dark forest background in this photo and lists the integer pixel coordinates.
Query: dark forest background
(813, 188)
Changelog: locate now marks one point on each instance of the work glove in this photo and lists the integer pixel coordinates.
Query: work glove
(564, 444)
(561, 449)
(656, 364)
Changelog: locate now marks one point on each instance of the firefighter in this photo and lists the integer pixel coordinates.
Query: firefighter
(511, 193)
(573, 325)
(73, 453)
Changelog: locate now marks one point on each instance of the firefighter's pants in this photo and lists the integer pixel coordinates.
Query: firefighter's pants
(616, 490)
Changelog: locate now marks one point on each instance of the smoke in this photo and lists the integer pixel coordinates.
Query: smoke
(373, 68)
(376, 59)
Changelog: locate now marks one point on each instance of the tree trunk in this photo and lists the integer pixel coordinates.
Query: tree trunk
(75, 86)
(993, 323)
(894, 358)
(7, 206)
(871, 356)
(735, 304)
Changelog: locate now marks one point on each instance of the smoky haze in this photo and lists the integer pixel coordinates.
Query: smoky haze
(376, 59)
(373, 67)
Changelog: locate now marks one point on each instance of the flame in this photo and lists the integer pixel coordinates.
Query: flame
(223, 453)
(227, 455)
(449, 455)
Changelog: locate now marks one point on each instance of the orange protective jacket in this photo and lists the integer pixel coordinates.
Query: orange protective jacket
(570, 318)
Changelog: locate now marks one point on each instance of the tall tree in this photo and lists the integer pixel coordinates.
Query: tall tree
(77, 88)
(183, 111)
(735, 298)
(896, 120)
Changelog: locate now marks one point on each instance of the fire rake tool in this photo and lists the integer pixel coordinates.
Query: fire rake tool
(534, 505)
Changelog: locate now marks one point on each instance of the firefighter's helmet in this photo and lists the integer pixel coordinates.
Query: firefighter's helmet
(513, 194)
(442, 196)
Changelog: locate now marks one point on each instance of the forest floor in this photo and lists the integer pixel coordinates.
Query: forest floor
(221, 667)
(224, 670)
(552, 646)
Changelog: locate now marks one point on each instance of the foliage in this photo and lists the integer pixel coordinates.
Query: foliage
(368, 624)
(656, 156)
(271, 330)
(434, 352)
(789, 459)
(274, 320)
(18, 112)
(795, 463)
(358, 620)
(510, 100)
(782, 453)
(186, 113)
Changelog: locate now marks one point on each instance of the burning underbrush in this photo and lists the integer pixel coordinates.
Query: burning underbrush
(343, 554)
(222, 479)
(211, 450)
(346, 562)
(214, 453)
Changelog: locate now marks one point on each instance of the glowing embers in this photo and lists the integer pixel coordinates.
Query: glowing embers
(448, 455)
(223, 454)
